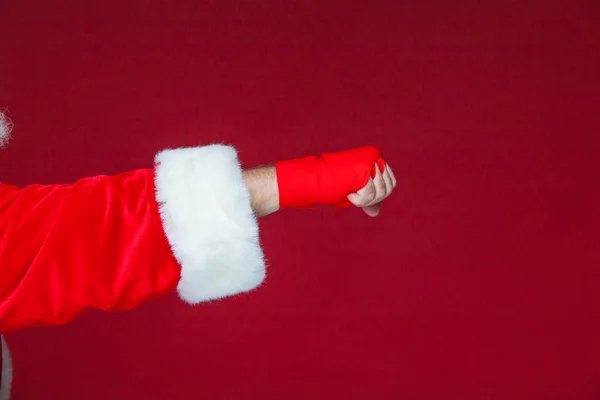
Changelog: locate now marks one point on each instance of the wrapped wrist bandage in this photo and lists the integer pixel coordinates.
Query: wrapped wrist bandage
(327, 179)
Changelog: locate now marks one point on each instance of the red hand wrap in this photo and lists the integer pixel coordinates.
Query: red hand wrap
(327, 179)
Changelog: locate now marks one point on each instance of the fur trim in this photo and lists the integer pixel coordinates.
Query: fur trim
(5, 128)
(207, 217)
(7, 371)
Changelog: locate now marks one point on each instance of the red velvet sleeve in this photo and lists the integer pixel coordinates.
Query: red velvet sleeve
(112, 242)
(98, 243)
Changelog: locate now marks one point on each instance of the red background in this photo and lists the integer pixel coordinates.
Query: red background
(481, 278)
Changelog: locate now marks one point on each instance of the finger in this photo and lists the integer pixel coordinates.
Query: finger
(379, 184)
(389, 169)
(374, 210)
(388, 182)
(364, 196)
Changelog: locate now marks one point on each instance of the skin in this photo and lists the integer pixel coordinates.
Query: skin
(264, 195)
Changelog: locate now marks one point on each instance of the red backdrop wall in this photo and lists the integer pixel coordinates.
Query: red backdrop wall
(481, 277)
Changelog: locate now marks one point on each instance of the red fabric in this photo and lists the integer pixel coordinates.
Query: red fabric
(326, 179)
(97, 243)
(480, 278)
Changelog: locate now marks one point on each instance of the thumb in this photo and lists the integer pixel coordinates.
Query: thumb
(372, 210)
(364, 196)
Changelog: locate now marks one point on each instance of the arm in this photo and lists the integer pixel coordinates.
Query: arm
(262, 186)
(111, 243)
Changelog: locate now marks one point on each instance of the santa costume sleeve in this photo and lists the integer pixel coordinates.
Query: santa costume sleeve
(113, 242)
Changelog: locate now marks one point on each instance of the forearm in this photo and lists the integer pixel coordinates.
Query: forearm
(261, 183)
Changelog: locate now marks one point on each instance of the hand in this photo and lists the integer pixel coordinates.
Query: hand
(370, 197)
(358, 177)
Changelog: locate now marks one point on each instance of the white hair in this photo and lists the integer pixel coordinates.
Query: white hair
(5, 128)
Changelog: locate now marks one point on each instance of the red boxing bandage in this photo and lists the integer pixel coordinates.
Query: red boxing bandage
(327, 179)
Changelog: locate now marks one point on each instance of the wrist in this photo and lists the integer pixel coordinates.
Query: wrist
(262, 186)
(297, 182)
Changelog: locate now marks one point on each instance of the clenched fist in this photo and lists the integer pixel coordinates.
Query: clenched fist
(359, 177)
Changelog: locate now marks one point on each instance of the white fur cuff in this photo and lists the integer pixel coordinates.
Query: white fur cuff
(207, 217)
(5, 127)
